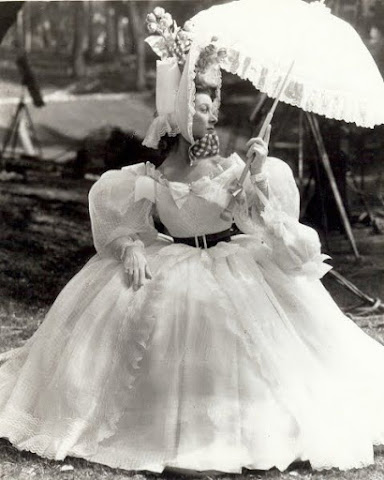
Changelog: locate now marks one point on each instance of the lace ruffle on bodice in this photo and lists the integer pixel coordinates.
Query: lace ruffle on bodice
(191, 209)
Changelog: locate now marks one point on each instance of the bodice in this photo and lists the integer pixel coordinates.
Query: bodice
(190, 209)
(193, 209)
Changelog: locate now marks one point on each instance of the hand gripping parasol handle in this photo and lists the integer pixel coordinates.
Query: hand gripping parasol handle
(228, 212)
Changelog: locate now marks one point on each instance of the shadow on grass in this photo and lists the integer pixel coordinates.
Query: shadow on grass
(43, 242)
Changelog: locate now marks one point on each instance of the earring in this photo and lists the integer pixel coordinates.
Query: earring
(191, 157)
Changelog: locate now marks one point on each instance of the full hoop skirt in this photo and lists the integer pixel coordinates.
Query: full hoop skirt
(220, 362)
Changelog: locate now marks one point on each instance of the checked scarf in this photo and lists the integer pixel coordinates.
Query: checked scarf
(207, 146)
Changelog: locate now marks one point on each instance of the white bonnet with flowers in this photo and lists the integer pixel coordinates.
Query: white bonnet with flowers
(183, 61)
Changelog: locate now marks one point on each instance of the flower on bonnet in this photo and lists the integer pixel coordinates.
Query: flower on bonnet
(151, 17)
(152, 27)
(166, 21)
(167, 39)
(159, 12)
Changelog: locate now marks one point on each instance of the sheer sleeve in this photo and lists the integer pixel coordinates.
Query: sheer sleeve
(116, 211)
(295, 247)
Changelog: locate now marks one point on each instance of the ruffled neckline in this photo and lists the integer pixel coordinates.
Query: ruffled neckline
(154, 173)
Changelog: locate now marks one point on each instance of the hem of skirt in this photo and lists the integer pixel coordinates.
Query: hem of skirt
(233, 469)
(159, 467)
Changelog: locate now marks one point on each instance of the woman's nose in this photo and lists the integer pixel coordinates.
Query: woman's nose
(213, 118)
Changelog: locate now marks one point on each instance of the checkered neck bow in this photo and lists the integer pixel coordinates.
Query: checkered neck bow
(207, 146)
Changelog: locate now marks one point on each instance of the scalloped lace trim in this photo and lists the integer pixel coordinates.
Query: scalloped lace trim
(154, 173)
(332, 104)
(159, 127)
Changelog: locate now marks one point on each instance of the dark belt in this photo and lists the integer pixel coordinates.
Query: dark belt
(211, 239)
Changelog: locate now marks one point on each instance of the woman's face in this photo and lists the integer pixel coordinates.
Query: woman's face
(204, 119)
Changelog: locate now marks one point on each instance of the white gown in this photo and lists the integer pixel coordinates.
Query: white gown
(230, 357)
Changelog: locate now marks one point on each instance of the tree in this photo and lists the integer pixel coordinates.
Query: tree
(27, 27)
(111, 30)
(9, 11)
(137, 12)
(78, 61)
(91, 31)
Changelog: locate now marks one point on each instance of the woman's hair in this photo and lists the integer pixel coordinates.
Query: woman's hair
(166, 143)
(211, 91)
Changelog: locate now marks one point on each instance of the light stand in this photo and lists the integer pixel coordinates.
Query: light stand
(16, 130)
(18, 126)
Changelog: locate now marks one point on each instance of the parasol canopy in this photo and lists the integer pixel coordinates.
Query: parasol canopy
(333, 73)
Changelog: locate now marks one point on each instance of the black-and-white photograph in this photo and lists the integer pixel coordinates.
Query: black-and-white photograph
(192, 240)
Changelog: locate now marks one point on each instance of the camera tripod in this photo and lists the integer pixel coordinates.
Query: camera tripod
(18, 129)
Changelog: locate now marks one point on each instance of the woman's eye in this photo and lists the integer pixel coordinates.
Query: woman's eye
(203, 109)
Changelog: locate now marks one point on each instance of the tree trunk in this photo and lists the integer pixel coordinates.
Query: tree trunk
(116, 28)
(121, 35)
(111, 45)
(131, 37)
(141, 77)
(78, 61)
(137, 12)
(91, 32)
(48, 38)
(8, 17)
(20, 31)
(27, 27)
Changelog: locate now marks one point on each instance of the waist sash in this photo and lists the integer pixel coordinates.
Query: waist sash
(205, 241)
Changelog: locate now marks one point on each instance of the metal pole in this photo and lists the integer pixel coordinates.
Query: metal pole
(314, 124)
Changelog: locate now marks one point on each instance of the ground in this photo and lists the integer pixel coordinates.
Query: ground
(45, 239)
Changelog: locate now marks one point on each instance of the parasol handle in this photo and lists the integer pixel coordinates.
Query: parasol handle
(227, 213)
(267, 121)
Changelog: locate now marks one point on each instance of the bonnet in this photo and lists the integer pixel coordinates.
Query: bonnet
(184, 59)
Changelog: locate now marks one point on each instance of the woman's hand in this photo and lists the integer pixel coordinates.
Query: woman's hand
(135, 265)
(258, 148)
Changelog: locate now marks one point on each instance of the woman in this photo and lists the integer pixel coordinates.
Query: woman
(201, 351)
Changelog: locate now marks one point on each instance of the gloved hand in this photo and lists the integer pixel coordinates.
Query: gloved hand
(135, 263)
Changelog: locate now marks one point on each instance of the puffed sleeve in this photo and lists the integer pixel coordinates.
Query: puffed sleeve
(118, 211)
(295, 247)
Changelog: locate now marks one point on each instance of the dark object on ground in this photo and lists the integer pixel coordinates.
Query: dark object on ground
(9, 11)
(111, 148)
(322, 209)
